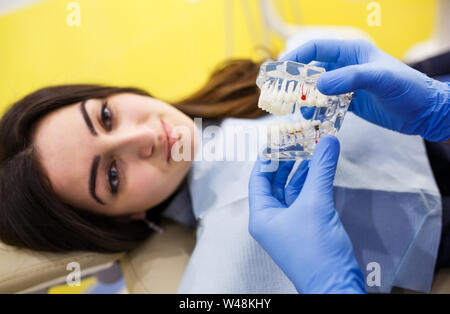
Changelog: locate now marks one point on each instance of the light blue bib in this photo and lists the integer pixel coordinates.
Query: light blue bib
(385, 195)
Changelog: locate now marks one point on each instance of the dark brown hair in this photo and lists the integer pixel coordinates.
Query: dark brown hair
(32, 216)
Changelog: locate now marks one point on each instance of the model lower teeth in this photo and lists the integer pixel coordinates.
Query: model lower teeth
(289, 89)
(307, 133)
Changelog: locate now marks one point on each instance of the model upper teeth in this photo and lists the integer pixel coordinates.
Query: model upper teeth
(284, 98)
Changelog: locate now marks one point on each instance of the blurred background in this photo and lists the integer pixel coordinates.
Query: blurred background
(170, 47)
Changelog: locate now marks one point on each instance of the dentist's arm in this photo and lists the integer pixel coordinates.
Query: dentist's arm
(298, 225)
(387, 92)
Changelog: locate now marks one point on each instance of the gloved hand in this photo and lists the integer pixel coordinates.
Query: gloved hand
(298, 225)
(388, 92)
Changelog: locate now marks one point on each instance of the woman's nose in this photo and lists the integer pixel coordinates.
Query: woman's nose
(139, 142)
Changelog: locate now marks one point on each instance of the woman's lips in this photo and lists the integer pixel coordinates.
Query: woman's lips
(169, 141)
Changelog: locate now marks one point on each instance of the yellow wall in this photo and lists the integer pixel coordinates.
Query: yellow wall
(170, 46)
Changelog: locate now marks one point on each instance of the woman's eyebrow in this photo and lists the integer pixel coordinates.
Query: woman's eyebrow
(93, 179)
(96, 160)
(87, 119)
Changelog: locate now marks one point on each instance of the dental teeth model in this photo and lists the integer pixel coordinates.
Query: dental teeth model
(289, 89)
(282, 99)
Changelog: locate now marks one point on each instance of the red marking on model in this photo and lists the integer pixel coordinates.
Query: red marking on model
(317, 133)
(303, 95)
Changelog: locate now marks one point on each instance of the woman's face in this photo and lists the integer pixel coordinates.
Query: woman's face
(112, 155)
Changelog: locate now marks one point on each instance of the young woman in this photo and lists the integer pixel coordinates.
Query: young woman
(82, 165)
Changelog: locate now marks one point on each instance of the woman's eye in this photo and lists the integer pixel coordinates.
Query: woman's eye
(113, 178)
(106, 116)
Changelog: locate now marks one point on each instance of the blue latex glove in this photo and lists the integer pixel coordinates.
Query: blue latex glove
(388, 92)
(298, 225)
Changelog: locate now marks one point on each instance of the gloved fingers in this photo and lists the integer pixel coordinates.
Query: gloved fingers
(319, 64)
(354, 104)
(307, 112)
(364, 106)
(366, 76)
(295, 185)
(345, 52)
(260, 187)
(279, 179)
(328, 66)
(318, 187)
(361, 103)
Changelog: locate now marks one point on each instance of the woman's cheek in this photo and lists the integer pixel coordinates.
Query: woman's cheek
(150, 188)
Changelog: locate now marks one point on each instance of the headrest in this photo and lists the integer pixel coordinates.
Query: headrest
(23, 270)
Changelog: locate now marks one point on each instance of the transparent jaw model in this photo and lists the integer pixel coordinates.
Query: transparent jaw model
(289, 89)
